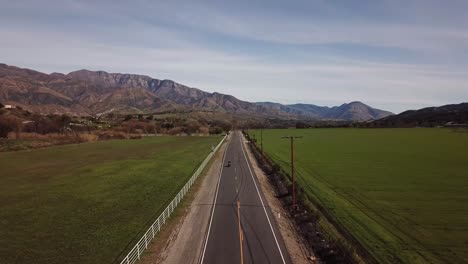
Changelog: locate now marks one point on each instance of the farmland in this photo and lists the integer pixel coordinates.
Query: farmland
(402, 193)
(86, 203)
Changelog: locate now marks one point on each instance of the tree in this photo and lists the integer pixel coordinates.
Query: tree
(128, 117)
(43, 125)
(224, 125)
(5, 126)
(63, 121)
(9, 124)
(300, 124)
(191, 126)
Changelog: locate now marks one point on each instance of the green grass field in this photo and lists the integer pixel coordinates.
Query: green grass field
(85, 203)
(403, 193)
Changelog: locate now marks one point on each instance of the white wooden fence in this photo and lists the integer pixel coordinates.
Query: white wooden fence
(142, 244)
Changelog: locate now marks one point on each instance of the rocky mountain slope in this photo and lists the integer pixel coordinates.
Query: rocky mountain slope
(86, 92)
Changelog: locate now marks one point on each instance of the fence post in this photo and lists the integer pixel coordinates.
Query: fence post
(138, 250)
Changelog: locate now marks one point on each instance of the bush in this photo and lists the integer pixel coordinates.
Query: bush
(135, 136)
(174, 131)
(204, 130)
(134, 126)
(276, 168)
(216, 130)
(107, 135)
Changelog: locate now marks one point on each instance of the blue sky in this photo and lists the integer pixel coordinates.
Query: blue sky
(394, 55)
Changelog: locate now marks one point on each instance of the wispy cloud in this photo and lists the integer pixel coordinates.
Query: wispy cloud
(310, 51)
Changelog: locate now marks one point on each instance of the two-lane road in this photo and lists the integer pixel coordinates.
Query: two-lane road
(261, 239)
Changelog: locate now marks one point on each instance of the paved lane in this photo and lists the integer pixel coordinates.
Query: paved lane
(262, 242)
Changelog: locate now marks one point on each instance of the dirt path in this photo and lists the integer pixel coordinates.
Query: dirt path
(182, 240)
(294, 243)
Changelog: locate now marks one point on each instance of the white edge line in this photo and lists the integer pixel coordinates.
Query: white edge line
(214, 205)
(261, 200)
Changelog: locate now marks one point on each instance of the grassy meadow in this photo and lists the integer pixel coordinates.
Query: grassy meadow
(86, 203)
(403, 193)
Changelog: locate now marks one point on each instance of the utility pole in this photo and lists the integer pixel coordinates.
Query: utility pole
(292, 170)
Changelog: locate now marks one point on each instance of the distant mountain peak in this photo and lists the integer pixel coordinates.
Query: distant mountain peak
(355, 110)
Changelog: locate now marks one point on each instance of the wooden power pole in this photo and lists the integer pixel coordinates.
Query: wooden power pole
(292, 170)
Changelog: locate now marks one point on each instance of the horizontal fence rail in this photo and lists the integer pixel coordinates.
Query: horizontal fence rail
(142, 244)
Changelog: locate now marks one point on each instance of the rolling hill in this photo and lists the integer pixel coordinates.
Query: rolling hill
(430, 116)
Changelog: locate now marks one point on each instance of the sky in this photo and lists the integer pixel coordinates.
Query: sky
(394, 55)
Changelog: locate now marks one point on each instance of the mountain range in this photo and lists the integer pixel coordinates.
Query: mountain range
(452, 114)
(87, 92)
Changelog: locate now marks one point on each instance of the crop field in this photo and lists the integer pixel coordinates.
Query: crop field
(86, 203)
(402, 193)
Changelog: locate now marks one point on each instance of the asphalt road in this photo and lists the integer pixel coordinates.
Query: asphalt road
(252, 223)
